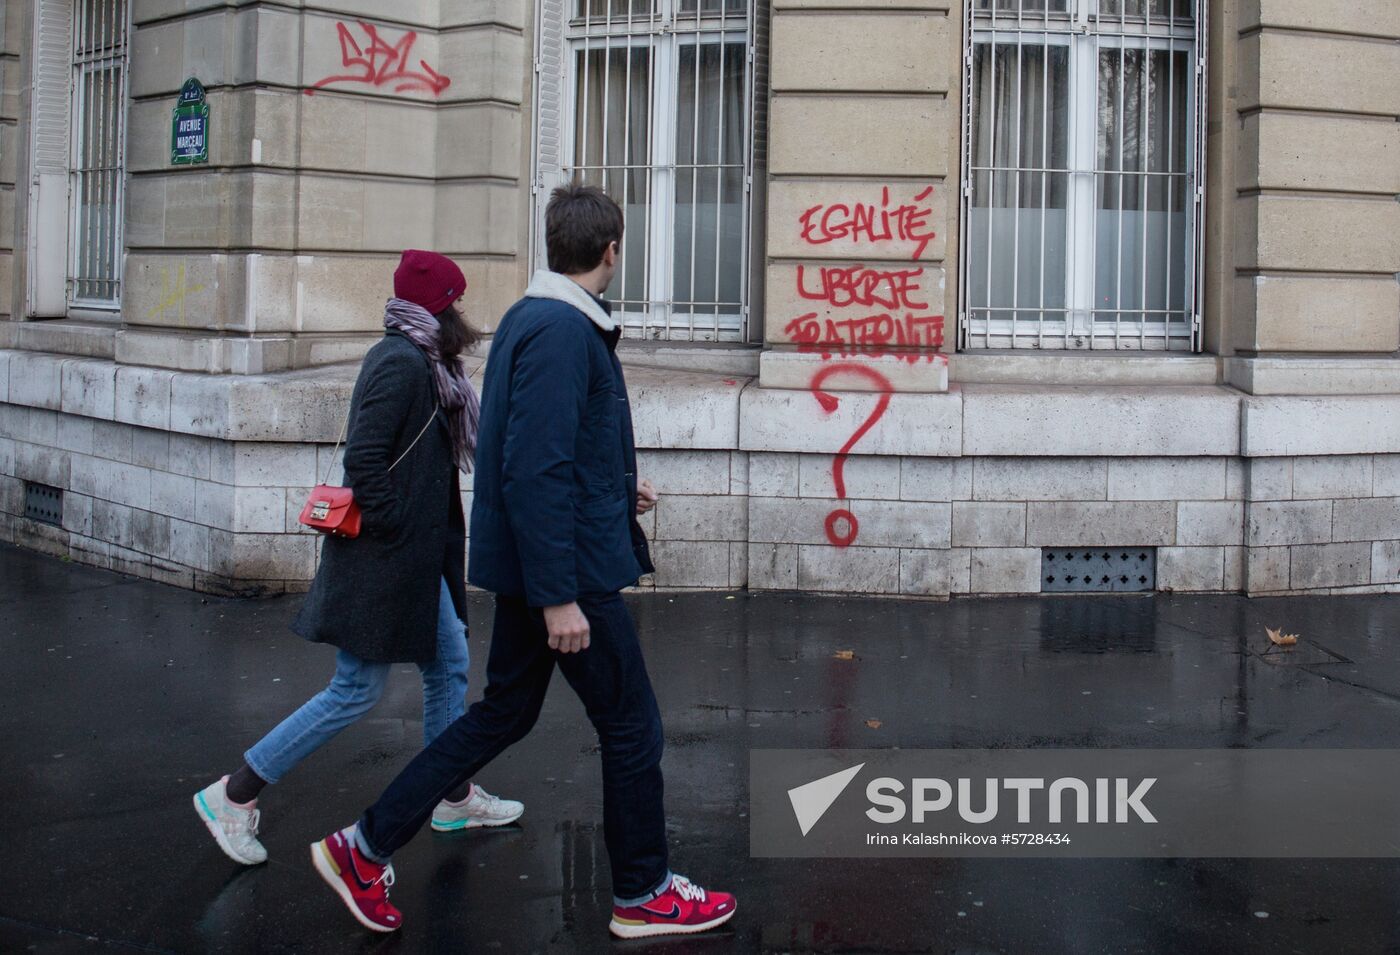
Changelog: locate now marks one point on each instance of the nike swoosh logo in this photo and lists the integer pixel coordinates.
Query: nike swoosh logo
(364, 886)
(675, 912)
(354, 870)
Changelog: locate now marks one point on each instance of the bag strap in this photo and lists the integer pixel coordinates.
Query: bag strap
(330, 465)
(415, 440)
(344, 429)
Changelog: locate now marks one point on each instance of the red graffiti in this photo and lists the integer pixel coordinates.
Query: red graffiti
(380, 63)
(871, 312)
(865, 222)
(893, 308)
(912, 339)
(843, 286)
(835, 532)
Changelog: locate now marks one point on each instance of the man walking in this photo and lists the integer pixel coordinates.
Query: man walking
(554, 536)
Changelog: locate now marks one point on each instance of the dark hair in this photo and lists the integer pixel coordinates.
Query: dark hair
(580, 223)
(454, 334)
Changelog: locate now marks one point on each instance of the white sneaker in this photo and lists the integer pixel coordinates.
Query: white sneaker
(234, 829)
(477, 810)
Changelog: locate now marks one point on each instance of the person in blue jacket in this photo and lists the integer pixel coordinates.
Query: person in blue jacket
(554, 535)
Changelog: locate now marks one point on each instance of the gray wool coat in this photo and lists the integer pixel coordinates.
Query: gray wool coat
(376, 595)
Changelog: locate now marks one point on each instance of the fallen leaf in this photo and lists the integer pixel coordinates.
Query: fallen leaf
(844, 655)
(1280, 639)
(874, 724)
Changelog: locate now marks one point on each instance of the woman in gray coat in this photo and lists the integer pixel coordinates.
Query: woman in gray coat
(395, 593)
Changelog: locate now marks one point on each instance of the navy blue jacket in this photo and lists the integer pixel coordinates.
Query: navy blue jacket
(555, 493)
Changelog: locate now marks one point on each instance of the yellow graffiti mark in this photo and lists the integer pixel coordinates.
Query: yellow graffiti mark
(173, 294)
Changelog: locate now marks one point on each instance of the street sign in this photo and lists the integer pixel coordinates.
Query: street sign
(189, 126)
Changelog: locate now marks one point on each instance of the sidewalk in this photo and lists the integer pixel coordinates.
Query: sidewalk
(119, 698)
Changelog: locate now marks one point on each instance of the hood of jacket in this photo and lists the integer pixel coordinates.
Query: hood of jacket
(561, 288)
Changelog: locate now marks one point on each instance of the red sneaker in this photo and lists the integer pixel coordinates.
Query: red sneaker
(683, 908)
(361, 884)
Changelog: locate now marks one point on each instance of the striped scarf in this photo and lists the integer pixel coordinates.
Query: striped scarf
(455, 393)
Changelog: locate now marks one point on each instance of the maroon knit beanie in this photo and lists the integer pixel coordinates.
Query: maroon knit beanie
(428, 279)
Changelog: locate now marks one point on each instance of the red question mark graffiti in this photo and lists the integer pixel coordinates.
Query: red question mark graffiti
(829, 404)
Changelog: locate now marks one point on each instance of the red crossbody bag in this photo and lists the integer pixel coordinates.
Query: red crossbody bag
(332, 510)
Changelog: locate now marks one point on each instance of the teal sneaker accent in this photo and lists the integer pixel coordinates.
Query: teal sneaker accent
(480, 810)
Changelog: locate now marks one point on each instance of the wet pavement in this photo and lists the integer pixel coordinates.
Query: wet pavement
(119, 698)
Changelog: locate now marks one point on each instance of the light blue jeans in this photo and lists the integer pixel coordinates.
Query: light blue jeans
(354, 690)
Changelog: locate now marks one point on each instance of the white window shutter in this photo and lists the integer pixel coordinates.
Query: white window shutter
(549, 116)
(49, 151)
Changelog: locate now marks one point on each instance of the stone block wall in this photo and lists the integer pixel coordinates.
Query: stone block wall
(188, 479)
(700, 529)
(217, 516)
(934, 527)
(1305, 98)
(197, 480)
(1323, 524)
(978, 526)
(279, 252)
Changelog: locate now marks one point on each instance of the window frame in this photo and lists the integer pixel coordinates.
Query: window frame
(561, 38)
(1084, 35)
(113, 244)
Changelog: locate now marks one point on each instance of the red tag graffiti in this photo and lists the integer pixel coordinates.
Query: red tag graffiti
(380, 63)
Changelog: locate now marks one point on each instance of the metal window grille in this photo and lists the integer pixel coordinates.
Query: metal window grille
(1082, 188)
(98, 148)
(652, 101)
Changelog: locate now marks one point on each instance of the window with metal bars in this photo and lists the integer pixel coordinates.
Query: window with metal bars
(97, 144)
(652, 101)
(1082, 188)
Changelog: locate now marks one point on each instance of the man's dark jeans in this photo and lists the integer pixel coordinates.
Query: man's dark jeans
(610, 678)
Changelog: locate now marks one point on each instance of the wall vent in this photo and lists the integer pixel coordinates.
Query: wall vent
(43, 503)
(1098, 570)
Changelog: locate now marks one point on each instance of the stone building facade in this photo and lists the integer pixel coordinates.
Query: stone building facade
(922, 297)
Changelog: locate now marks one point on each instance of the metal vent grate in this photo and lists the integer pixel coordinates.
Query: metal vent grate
(1098, 569)
(43, 503)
